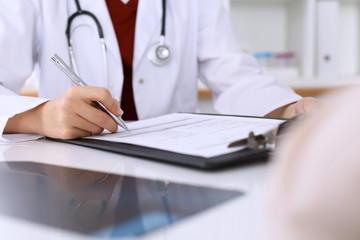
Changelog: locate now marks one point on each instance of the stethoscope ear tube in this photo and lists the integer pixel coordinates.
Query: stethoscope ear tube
(101, 38)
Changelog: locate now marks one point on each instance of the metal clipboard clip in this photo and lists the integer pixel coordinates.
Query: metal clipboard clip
(264, 141)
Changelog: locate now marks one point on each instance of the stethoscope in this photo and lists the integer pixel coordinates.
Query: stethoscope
(159, 53)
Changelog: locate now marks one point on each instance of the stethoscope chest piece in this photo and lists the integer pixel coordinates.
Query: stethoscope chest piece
(159, 54)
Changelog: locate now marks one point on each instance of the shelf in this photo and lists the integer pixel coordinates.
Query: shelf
(293, 26)
(304, 92)
(312, 87)
(317, 83)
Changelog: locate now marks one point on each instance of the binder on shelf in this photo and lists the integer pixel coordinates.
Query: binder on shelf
(328, 40)
(193, 140)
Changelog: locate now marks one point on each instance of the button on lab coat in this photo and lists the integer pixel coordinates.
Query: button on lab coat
(198, 33)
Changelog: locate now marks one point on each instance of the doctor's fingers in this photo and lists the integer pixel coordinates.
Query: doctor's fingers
(307, 105)
(95, 119)
(72, 133)
(70, 127)
(87, 126)
(103, 95)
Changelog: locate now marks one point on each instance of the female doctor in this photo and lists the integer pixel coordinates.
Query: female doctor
(154, 52)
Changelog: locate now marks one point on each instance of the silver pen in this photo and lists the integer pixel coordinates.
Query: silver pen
(79, 82)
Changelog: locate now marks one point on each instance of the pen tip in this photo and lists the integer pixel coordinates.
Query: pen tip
(126, 128)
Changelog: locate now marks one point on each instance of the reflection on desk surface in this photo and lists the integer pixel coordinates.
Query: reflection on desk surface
(96, 203)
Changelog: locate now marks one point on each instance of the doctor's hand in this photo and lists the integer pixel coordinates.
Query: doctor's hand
(72, 115)
(304, 105)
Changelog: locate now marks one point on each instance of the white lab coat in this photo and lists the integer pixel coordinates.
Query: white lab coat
(199, 35)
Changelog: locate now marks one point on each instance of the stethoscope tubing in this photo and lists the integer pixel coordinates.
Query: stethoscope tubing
(159, 54)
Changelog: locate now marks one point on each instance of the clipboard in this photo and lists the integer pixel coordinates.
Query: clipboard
(244, 156)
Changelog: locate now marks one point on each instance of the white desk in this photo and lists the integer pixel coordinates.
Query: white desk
(239, 219)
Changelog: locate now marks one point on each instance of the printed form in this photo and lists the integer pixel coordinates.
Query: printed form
(192, 134)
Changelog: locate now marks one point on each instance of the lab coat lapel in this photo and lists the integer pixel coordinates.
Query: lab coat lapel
(148, 21)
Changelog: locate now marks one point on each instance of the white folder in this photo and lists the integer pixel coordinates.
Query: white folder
(328, 38)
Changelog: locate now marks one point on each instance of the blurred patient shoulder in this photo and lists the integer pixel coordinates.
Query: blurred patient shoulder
(314, 191)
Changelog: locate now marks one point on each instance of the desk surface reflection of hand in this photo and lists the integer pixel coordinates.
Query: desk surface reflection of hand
(83, 185)
(96, 203)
